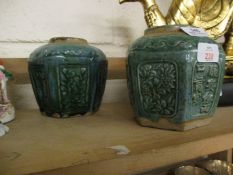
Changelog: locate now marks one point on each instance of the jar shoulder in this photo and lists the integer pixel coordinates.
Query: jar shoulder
(67, 50)
(170, 42)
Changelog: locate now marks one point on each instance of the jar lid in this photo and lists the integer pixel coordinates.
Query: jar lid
(69, 40)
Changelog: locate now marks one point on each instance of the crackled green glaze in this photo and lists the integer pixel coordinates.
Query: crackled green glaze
(165, 79)
(68, 77)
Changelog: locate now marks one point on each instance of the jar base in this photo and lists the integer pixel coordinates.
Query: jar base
(166, 124)
(57, 115)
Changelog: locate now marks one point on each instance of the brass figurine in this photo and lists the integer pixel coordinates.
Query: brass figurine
(229, 43)
(153, 16)
(214, 16)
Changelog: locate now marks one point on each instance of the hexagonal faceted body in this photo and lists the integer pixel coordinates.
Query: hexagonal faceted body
(68, 77)
(168, 87)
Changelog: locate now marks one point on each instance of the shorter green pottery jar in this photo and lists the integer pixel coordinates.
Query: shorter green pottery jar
(169, 87)
(68, 77)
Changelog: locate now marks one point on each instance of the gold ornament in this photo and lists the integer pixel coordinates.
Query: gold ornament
(153, 16)
(229, 43)
(214, 16)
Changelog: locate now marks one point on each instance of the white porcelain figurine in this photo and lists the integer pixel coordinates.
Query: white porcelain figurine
(7, 112)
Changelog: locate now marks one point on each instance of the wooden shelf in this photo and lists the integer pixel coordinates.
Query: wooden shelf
(82, 145)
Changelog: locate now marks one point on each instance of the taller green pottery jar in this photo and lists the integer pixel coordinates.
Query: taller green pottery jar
(68, 77)
(169, 87)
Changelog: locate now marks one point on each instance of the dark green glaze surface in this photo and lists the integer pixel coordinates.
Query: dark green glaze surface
(165, 79)
(68, 78)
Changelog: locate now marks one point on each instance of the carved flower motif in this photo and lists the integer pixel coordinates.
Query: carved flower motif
(158, 88)
(74, 87)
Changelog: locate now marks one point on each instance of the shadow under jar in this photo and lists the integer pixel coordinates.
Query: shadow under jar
(68, 77)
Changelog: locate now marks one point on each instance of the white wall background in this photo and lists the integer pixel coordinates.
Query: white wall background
(28, 24)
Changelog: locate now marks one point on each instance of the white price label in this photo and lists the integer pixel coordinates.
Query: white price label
(192, 31)
(207, 52)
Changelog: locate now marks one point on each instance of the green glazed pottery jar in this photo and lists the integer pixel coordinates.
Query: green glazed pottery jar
(169, 87)
(68, 77)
